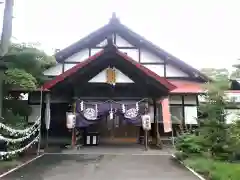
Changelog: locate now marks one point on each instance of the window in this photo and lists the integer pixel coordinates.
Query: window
(176, 114)
(190, 99)
(190, 114)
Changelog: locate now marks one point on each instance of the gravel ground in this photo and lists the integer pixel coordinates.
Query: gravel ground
(102, 167)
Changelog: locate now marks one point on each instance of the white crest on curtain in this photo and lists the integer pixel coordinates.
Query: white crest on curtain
(90, 114)
(131, 113)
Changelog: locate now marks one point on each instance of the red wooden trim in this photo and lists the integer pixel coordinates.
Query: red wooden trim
(74, 69)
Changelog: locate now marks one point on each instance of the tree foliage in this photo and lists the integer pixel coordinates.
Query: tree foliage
(221, 74)
(26, 66)
(214, 137)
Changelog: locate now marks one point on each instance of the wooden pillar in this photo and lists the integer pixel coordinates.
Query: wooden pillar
(156, 119)
(74, 130)
(145, 131)
(41, 112)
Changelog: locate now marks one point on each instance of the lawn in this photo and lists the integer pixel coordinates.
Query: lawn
(214, 170)
(7, 165)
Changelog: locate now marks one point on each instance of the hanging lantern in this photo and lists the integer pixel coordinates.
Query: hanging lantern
(146, 122)
(71, 120)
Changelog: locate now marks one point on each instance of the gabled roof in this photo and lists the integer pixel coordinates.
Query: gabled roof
(115, 25)
(149, 73)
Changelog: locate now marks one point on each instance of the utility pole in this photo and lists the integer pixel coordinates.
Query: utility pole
(5, 42)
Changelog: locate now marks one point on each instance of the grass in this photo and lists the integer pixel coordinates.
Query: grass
(6, 165)
(214, 170)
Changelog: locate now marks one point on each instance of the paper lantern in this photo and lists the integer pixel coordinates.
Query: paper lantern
(71, 120)
(146, 122)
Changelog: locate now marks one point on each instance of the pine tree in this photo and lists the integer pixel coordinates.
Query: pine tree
(213, 128)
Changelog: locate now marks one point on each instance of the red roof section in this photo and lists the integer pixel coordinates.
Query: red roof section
(74, 69)
(187, 87)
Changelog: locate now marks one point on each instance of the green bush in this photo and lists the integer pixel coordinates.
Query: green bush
(189, 143)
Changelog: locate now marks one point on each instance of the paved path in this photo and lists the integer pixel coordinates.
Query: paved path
(118, 150)
(102, 167)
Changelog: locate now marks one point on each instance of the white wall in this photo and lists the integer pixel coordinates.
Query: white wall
(148, 57)
(158, 69)
(172, 71)
(145, 57)
(133, 53)
(102, 43)
(54, 71)
(79, 57)
(121, 42)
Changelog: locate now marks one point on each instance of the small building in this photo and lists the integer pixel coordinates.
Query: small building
(109, 77)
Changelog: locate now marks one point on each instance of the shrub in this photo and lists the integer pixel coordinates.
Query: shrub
(189, 143)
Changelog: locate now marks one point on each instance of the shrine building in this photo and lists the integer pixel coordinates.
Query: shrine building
(108, 77)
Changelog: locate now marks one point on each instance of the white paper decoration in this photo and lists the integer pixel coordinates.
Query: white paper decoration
(81, 106)
(137, 106)
(18, 132)
(111, 114)
(6, 154)
(123, 108)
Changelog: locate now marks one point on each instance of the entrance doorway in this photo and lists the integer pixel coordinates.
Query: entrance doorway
(116, 131)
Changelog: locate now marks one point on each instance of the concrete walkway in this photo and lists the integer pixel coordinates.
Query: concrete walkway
(102, 167)
(118, 150)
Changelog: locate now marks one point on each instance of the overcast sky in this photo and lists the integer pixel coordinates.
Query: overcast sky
(203, 33)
